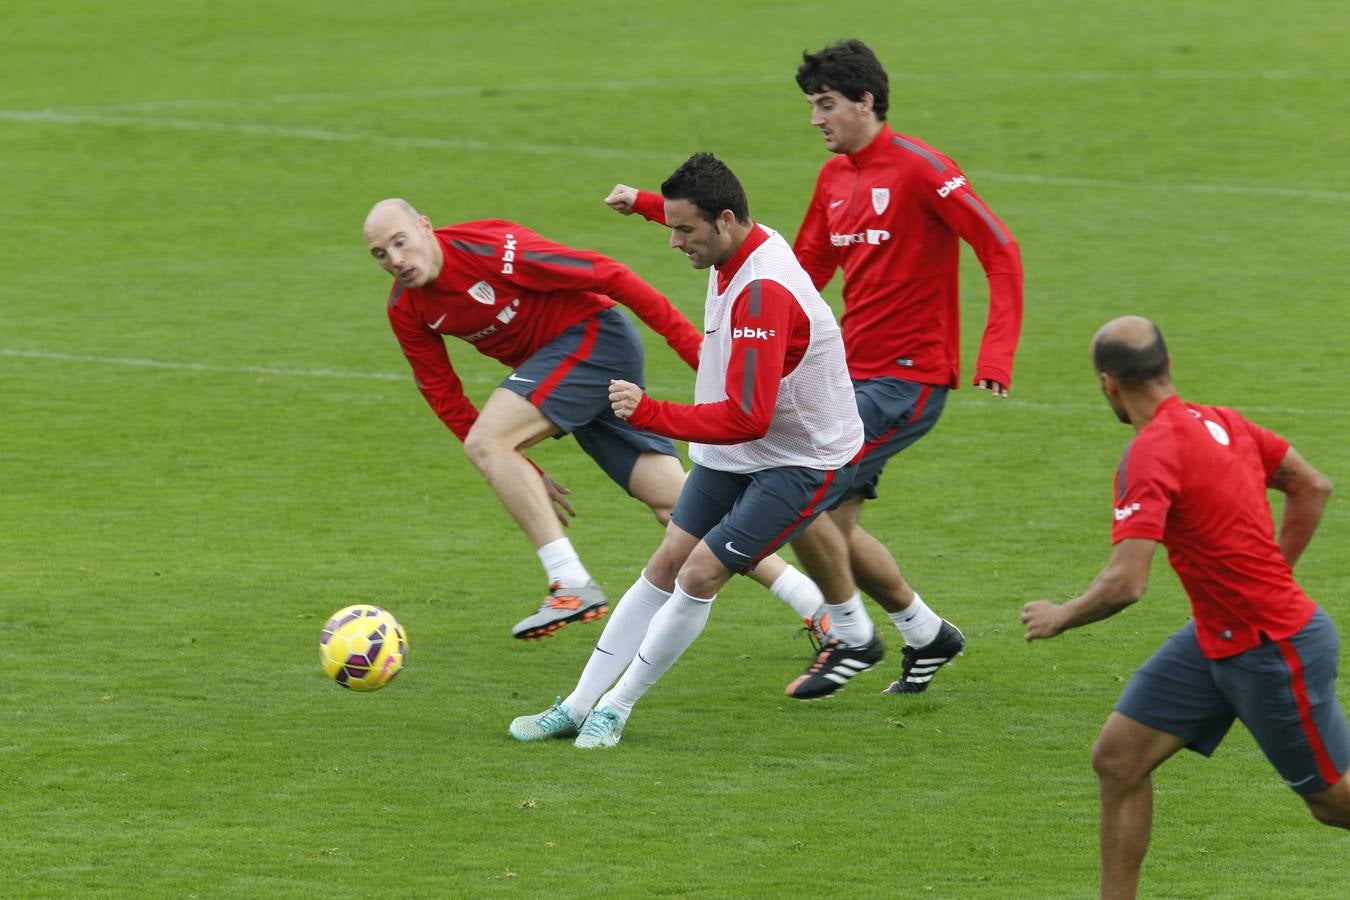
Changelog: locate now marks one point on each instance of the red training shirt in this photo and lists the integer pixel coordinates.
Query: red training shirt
(508, 291)
(1195, 478)
(892, 216)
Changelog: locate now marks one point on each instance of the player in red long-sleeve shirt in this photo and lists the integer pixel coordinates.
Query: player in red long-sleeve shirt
(891, 212)
(547, 311)
(1257, 647)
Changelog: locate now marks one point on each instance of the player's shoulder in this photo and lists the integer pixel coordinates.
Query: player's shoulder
(480, 229)
(910, 152)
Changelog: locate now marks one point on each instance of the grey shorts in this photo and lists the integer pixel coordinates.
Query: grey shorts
(744, 518)
(568, 380)
(1283, 691)
(895, 413)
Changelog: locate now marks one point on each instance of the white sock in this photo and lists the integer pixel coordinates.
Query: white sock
(562, 564)
(672, 630)
(850, 623)
(798, 592)
(918, 623)
(624, 630)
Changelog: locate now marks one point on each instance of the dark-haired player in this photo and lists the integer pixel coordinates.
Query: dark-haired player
(1257, 648)
(772, 431)
(891, 211)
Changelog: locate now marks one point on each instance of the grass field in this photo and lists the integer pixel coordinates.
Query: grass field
(209, 442)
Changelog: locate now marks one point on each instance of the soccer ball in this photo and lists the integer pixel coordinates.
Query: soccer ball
(363, 647)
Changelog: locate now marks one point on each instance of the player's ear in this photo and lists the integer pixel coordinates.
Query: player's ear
(866, 102)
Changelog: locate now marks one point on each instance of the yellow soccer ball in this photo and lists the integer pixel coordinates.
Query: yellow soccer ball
(363, 647)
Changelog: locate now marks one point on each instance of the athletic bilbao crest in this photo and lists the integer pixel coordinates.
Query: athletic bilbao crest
(483, 293)
(881, 198)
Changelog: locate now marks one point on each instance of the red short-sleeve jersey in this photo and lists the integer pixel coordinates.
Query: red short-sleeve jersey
(1195, 479)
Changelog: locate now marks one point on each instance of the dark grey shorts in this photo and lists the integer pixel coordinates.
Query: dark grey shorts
(1283, 691)
(895, 414)
(744, 518)
(568, 380)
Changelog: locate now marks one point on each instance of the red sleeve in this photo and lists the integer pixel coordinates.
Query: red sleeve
(1146, 485)
(542, 265)
(812, 246)
(651, 207)
(967, 215)
(770, 334)
(435, 376)
(1270, 445)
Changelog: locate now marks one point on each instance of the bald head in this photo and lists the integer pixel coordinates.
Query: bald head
(1131, 350)
(402, 241)
(392, 212)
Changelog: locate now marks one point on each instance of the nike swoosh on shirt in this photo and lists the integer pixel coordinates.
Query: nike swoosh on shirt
(835, 203)
(711, 331)
(514, 377)
(437, 323)
(731, 549)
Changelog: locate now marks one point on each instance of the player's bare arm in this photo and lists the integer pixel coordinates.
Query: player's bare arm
(624, 397)
(622, 199)
(1306, 492)
(1120, 584)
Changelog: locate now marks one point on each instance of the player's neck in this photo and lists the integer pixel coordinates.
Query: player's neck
(437, 259)
(1142, 405)
(869, 135)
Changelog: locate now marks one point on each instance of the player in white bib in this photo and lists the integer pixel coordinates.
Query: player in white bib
(773, 433)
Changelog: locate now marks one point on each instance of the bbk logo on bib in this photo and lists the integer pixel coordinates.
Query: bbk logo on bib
(881, 198)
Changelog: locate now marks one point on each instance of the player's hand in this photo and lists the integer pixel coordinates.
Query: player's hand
(557, 495)
(993, 387)
(622, 199)
(624, 396)
(1042, 619)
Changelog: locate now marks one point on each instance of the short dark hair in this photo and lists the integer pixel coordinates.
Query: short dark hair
(1130, 365)
(849, 67)
(705, 181)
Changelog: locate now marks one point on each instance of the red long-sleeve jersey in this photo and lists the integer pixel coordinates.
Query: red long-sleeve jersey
(507, 291)
(892, 216)
(775, 333)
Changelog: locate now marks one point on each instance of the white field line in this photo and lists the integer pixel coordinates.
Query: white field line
(260, 129)
(287, 372)
(645, 84)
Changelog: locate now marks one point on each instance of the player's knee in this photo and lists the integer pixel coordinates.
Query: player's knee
(480, 447)
(1332, 806)
(1112, 763)
(662, 513)
(702, 576)
(663, 566)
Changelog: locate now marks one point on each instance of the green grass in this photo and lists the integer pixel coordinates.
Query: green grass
(191, 483)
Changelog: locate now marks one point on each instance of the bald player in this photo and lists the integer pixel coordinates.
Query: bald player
(1257, 648)
(548, 311)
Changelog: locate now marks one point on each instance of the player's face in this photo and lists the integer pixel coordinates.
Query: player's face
(845, 124)
(702, 241)
(406, 248)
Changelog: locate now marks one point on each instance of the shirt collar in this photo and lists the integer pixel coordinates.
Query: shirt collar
(869, 153)
(728, 270)
(443, 279)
